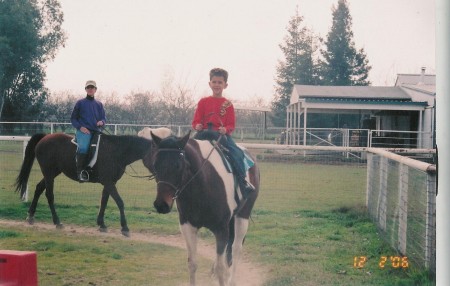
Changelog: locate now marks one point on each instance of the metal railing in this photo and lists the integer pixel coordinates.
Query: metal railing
(345, 137)
(341, 137)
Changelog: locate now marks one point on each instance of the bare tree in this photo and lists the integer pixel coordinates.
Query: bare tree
(115, 109)
(58, 107)
(177, 100)
(141, 107)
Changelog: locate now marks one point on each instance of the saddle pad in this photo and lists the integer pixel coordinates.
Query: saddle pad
(93, 149)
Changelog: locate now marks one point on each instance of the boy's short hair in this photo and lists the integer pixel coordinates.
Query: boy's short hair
(218, 72)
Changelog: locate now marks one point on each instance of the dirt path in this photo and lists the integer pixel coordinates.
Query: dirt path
(248, 273)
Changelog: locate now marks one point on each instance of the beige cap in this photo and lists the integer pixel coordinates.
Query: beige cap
(90, 82)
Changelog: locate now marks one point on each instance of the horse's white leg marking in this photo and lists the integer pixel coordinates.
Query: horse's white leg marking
(240, 229)
(221, 269)
(190, 236)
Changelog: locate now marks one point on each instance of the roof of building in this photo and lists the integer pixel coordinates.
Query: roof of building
(415, 79)
(366, 101)
(427, 89)
(353, 92)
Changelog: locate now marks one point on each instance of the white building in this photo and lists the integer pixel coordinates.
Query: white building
(406, 108)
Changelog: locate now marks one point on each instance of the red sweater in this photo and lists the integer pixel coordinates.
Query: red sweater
(218, 110)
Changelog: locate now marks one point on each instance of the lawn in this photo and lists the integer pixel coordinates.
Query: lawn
(308, 225)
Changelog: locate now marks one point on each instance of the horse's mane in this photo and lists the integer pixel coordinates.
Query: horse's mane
(124, 138)
(123, 144)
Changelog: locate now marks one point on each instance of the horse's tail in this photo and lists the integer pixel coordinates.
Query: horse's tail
(230, 242)
(22, 178)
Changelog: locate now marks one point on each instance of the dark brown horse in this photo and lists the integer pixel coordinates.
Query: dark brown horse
(192, 173)
(55, 154)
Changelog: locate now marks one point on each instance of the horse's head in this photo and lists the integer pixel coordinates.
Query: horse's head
(169, 165)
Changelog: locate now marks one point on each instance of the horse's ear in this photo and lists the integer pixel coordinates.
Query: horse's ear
(183, 141)
(155, 138)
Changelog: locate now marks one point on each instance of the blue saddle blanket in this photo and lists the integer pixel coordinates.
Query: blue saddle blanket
(248, 162)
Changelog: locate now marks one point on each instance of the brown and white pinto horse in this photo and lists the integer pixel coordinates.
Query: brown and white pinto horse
(192, 173)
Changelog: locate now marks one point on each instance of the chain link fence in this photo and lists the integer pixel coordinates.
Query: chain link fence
(401, 199)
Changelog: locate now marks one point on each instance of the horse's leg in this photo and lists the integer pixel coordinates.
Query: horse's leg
(51, 201)
(101, 212)
(240, 229)
(40, 187)
(116, 197)
(221, 266)
(190, 236)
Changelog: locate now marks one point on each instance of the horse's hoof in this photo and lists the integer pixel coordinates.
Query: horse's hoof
(103, 229)
(30, 220)
(126, 233)
(59, 226)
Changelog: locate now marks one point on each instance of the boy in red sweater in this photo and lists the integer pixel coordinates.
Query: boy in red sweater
(218, 112)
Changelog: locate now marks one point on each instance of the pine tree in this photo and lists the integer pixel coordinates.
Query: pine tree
(298, 67)
(342, 64)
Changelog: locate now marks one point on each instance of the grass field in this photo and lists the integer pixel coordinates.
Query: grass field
(307, 226)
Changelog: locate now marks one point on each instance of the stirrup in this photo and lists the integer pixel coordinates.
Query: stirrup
(83, 176)
(247, 188)
(249, 185)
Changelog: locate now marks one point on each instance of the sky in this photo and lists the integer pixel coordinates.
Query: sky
(132, 46)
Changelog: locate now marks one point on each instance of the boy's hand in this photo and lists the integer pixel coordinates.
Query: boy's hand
(199, 127)
(222, 130)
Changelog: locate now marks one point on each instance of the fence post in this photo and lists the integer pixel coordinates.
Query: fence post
(382, 195)
(369, 189)
(430, 232)
(403, 181)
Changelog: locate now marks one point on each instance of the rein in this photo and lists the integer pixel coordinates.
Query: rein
(178, 190)
(150, 177)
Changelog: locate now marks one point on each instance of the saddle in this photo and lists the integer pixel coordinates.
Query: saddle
(215, 138)
(94, 146)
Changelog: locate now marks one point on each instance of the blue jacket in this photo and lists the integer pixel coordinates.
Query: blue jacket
(87, 112)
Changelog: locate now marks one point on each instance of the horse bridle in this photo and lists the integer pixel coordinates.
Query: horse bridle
(158, 181)
(178, 190)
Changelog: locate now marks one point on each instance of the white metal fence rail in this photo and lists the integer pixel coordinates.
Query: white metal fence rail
(255, 133)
